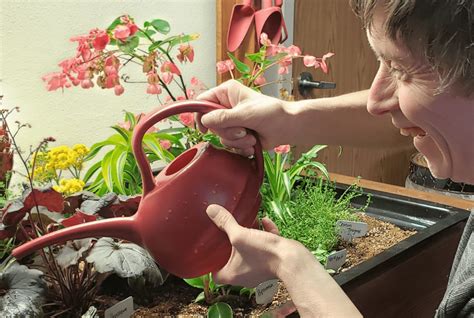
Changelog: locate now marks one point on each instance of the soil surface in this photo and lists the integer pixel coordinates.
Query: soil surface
(175, 298)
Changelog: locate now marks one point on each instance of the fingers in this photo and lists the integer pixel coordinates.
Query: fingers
(223, 219)
(269, 226)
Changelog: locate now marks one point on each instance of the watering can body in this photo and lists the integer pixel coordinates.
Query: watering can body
(171, 222)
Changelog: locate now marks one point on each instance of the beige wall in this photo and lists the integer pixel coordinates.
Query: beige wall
(34, 37)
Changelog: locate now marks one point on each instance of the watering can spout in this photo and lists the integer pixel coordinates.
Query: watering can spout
(121, 228)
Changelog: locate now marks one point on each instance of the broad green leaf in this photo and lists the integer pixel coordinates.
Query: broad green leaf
(197, 282)
(159, 25)
(112, 26)
(130, 117)
(241, 66)
(200, 297)
(117, 163)
(107, 171)
(125, 134)
(154, 145)
(130, 45)
(255, 57)
(144, 33)
(92, 170)
(220, 310)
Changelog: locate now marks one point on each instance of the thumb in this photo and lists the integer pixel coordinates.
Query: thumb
(222, 118)
(223, 219)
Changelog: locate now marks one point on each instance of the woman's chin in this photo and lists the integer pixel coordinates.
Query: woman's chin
(439, 164)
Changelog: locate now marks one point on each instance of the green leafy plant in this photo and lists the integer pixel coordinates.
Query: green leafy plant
(220, 310)
(281, 177)
(316, 209)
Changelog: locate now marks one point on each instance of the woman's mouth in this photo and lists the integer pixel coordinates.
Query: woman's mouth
(412, 131)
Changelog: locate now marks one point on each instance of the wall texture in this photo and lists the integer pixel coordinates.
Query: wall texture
(34, 37)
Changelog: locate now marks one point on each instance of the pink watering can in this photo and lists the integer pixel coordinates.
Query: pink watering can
(171, 222)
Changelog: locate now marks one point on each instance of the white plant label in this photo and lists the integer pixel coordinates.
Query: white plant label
(123, 309)
(265, 291)
(350, 229)
(336, 259)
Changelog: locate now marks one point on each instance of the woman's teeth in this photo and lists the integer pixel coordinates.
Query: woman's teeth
(413, 131)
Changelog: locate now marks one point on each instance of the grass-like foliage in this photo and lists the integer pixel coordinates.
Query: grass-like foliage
(315, 210)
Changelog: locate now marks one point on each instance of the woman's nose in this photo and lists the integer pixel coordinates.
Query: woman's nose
(383, 93)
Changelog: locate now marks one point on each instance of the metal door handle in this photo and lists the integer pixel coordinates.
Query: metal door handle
(306, 84)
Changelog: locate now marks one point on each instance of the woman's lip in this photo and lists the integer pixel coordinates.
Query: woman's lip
(412, 131)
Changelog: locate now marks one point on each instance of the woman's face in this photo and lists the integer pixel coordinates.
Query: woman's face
(441, 125)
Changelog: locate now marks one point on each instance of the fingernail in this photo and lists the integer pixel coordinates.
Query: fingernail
(240, 133)
(212, 210)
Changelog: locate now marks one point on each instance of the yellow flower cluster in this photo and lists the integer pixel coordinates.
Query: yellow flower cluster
(69, 186)
(59, 158)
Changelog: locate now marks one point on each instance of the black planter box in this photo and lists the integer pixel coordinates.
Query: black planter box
(408, 279)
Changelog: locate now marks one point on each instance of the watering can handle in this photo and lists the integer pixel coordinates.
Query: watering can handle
(161, 113)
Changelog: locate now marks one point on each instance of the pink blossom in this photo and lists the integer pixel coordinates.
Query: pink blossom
(195, 81)
(282, 149)
(324, 66)
(283, 70)
(125, 125)
(264, 39)
(165, 144)
(153, 89)
(55, 80)
(187, 119)
(309, 60)
(121, 32)
(191, 93)
(125, 19)
(170, 67)
(293, 50)
(152, 77)
(118, 89)
(260, 80)
(224, 66)
(87, 83)
(101, 40)
(186, 53)
(167, 77)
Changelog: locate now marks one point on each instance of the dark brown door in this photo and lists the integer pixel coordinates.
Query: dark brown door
(322, 26)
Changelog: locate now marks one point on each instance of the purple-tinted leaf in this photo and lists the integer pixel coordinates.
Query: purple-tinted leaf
(6, 231)
(46, 197)
(25, 292)
(93, 206)
(46, 216)
(123, 206)
(78, 218)
(124, 259)
(13, 213)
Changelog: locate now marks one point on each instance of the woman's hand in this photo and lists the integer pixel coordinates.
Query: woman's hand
(255, 255)
(268, 116)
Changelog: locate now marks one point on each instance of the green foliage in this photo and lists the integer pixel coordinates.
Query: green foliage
(117, 171)
(280, 179)
(220, 310)
(315, 210)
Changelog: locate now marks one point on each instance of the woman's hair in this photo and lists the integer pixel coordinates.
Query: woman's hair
(441, 30)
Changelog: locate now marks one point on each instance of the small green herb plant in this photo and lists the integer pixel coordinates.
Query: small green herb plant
(315, 210)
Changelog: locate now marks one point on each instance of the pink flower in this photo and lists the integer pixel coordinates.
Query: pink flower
(153, 89)
(55, 80)
(125, 19)
(87, 83)
(168, 69)
(191, 93)
(264, 39)
(283, 70)
(224, 66)
(282, 149)
(309, 60)
(118, 89)
(195, 81)
(293, 50)
(152, 77)
(186, 53)
(260, 80)
(165, 144)
(324, 66)
(121, 32)
(187, 119)
(101, 40)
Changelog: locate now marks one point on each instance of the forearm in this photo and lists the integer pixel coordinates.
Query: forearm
(313, 291)
(341, 120)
